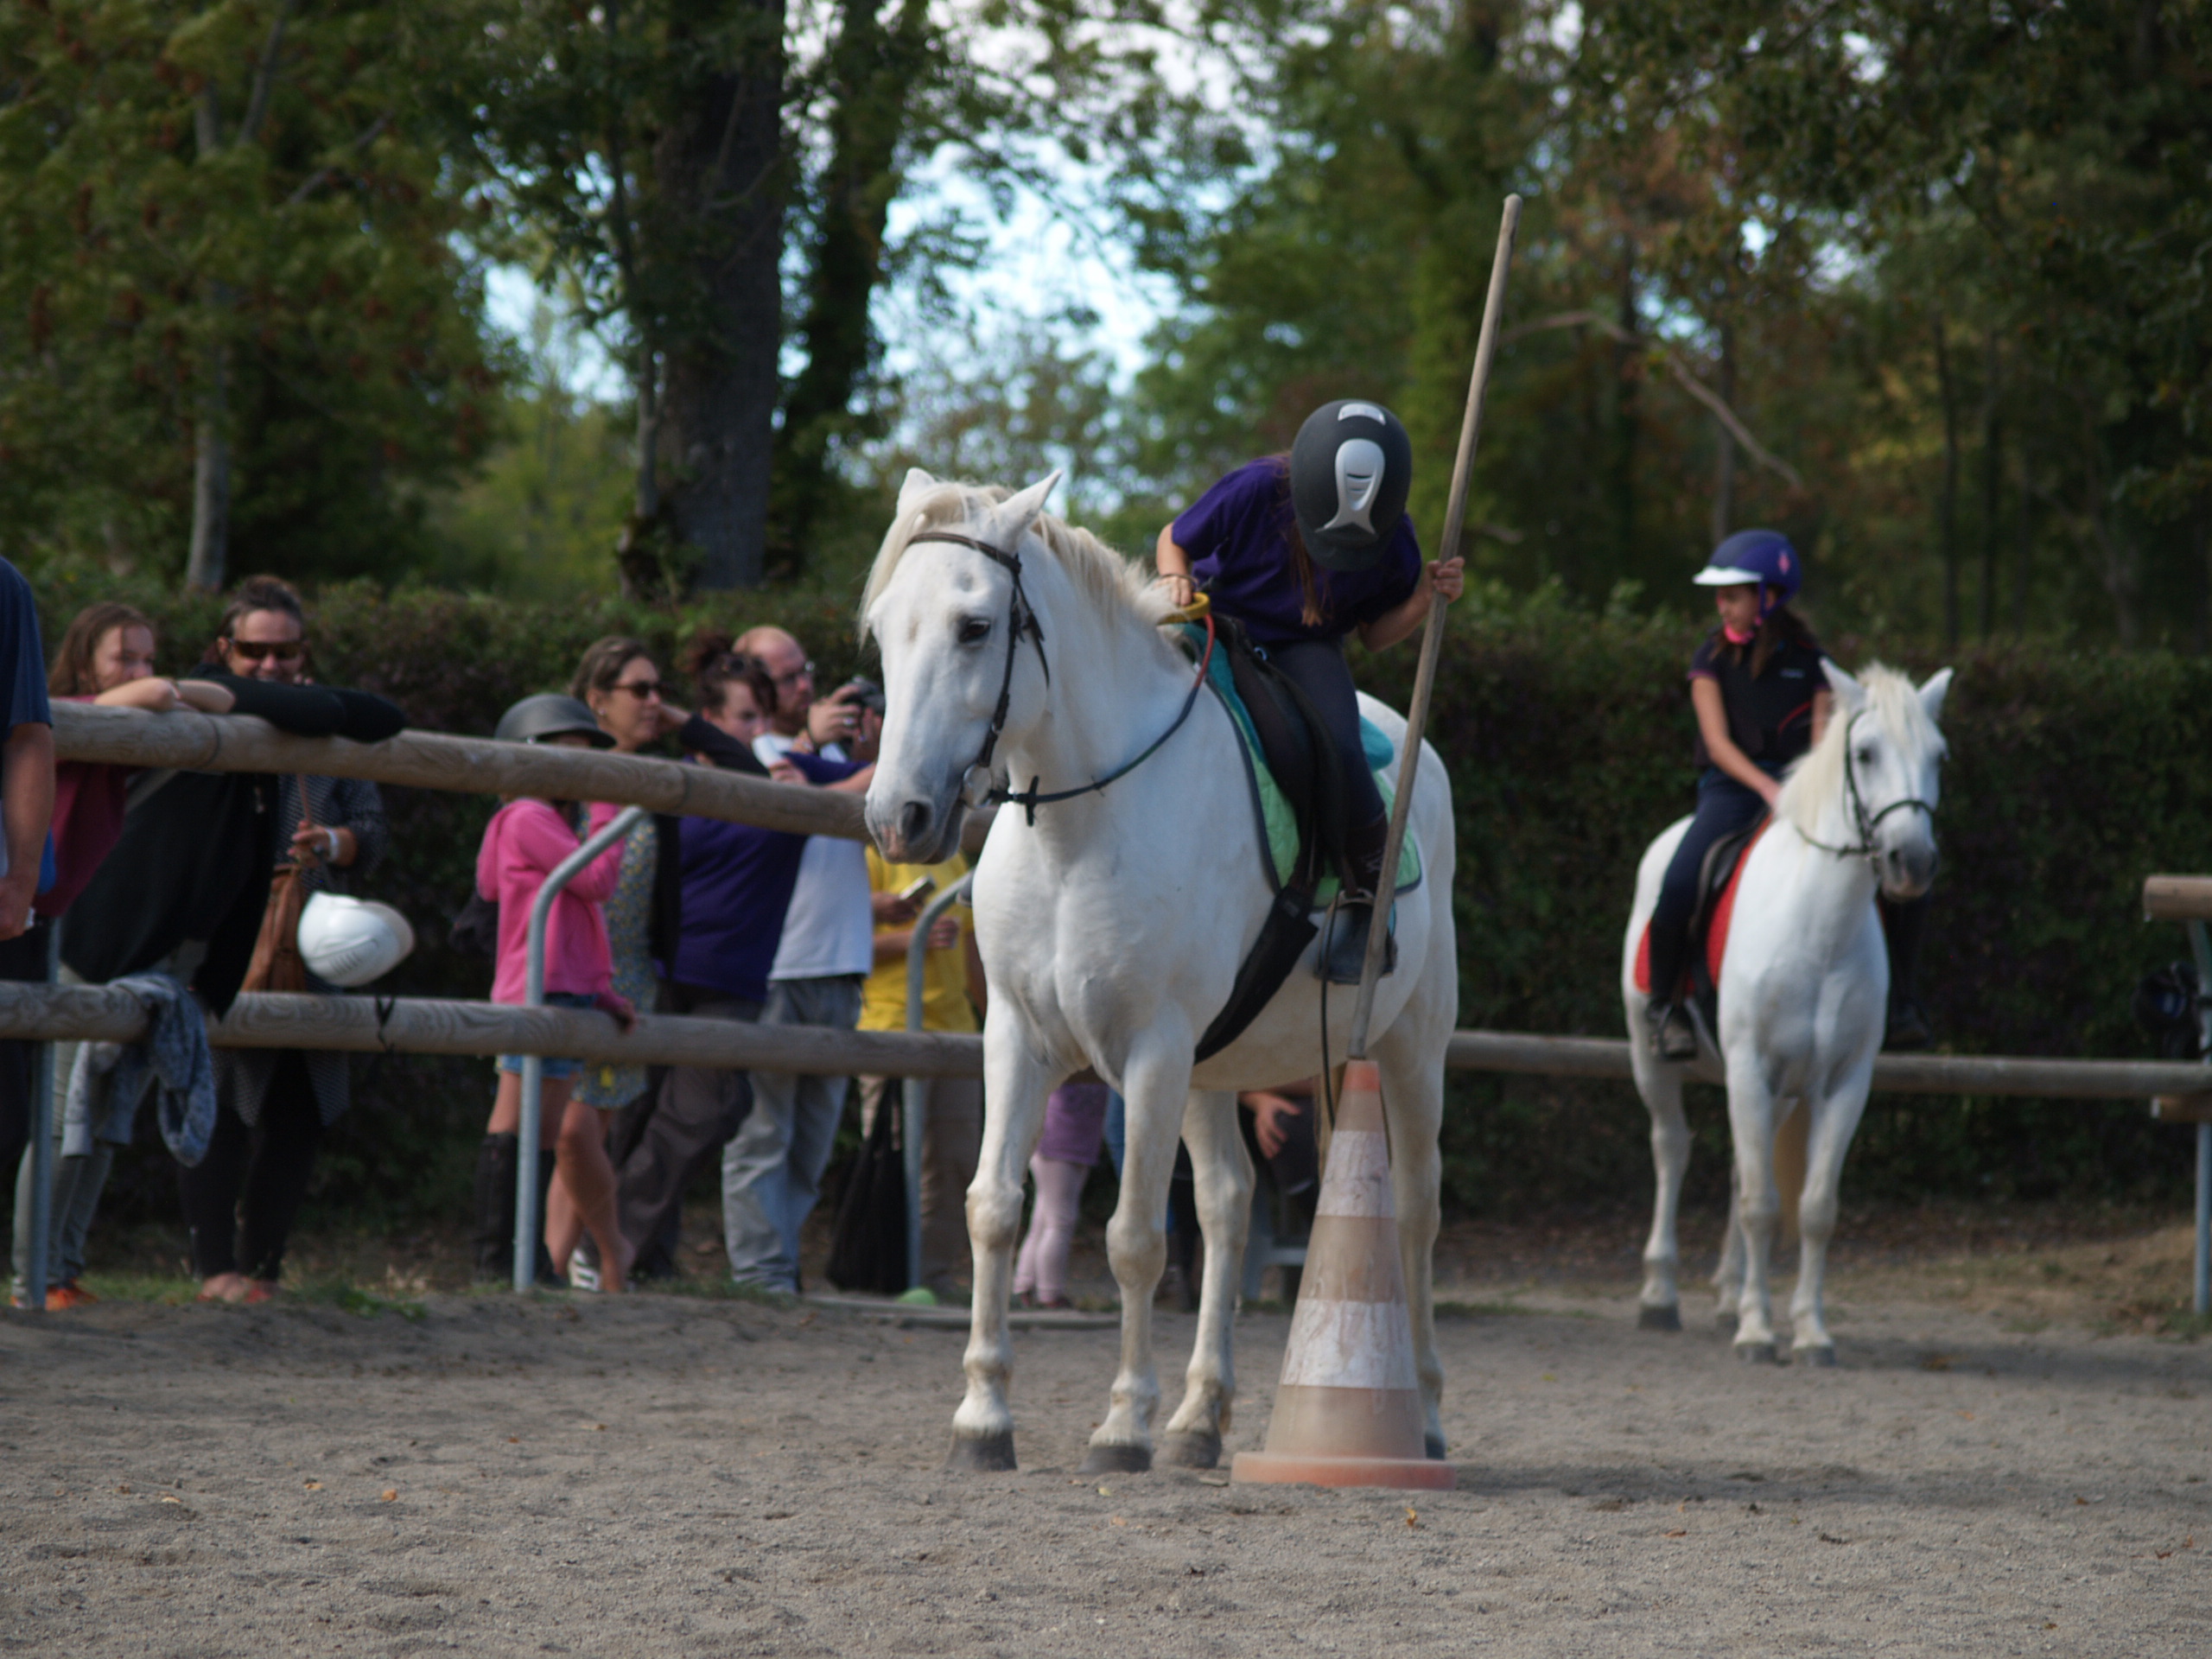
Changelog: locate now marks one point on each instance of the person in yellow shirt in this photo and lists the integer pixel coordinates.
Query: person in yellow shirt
(952, 994)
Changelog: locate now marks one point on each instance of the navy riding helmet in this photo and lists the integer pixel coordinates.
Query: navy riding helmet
(1349, 470)
(1764, 556)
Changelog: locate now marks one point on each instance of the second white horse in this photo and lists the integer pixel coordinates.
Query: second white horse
(1803, 989)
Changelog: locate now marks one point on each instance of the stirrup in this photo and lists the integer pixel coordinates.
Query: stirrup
(1673, 1037)
(1345, 958)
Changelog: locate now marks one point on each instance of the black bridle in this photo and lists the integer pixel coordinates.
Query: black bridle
(976, 786)
(1866, 822)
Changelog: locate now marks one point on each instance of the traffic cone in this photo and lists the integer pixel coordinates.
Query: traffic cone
(1348, 1410)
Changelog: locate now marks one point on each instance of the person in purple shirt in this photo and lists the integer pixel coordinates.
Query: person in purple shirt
(1303, 549)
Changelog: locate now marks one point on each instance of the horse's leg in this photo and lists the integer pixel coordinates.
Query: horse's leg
(1750, 1122)
(1728, 1277)
(1409, 1056)
(1156, 1086)
(1015, 1085)
(1223, 1169)
(1835, 1120)
(1660, 1306)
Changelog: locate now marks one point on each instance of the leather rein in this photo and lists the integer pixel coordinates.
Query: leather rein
(1868, 823)
(976, 786)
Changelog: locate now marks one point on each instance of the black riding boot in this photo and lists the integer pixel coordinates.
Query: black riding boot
(1673, 1036)
(1903, 924)
(1344, 942)
(495, 1208)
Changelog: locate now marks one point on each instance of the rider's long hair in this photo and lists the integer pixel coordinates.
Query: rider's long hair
(1782, 626)
(1309, 585)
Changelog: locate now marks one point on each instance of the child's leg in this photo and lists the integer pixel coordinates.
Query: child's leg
(584, 1170)
(1724, 806)
(1060, 1198)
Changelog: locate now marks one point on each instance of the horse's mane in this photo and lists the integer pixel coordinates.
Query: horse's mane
(1818, 777)
(1108, 578)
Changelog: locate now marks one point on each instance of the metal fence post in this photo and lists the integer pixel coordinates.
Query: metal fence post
(2200, 946)
(36, 1269)
(527, 1219)
(914, 1091)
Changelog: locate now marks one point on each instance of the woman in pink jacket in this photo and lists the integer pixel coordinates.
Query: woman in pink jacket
(527, 840)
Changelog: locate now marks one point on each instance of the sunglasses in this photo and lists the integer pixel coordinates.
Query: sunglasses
(641, 690)
(254, 651)
(803, 671)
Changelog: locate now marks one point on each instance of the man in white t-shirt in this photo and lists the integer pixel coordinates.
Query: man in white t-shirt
(772, 1169)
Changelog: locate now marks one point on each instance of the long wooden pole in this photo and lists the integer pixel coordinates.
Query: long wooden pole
(1432, 638)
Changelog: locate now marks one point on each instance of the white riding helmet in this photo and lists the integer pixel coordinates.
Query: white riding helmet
(349, 942)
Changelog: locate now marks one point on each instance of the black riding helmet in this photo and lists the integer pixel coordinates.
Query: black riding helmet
(1350, 471)
(550, 714)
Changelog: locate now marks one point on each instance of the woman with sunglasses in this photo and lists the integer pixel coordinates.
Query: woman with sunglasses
(185, 893)
(620, 680)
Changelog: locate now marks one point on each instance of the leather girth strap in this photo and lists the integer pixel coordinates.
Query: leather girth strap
(1303, 762)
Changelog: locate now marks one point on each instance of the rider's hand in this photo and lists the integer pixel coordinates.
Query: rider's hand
(1449, 578)
(1770, 793)
(1181, 589)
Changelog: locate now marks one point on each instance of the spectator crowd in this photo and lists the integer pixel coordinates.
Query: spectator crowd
(185, 888)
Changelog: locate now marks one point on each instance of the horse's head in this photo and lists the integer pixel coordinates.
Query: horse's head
(962, 662)
(1891, 753)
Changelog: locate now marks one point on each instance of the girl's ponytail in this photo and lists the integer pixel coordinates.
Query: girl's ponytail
(1309, 586)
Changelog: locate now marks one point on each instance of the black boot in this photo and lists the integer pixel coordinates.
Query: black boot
(548, 1274)
(1344, 947)
(495, 1208)
(1903, 924)
(1673, 1037)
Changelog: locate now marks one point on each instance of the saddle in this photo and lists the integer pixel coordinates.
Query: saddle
(1295, 772)
(1718, 878)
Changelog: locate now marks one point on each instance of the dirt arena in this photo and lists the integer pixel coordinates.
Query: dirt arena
(2014, 1457)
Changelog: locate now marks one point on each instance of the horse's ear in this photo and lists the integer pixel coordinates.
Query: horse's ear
(918, 484)
(1933, 693)
(1849, 693)
(1018, 512)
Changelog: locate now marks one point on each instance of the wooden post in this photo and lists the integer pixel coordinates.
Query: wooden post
(1432, 638)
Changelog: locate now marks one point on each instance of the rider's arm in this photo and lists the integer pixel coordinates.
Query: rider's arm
(1174, 567)
(1713, 727)
(1446, 576)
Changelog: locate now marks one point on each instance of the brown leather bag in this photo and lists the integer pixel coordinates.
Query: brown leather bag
(276, 965)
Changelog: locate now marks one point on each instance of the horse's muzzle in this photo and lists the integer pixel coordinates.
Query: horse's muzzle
(1908, 872)
(913, 831)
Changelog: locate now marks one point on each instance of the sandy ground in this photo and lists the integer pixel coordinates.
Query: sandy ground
(2006, 1462)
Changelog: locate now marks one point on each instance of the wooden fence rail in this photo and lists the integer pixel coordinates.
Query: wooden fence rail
(428, 1025)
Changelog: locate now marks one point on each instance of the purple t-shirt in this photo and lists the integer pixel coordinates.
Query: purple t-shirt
(1238, 535)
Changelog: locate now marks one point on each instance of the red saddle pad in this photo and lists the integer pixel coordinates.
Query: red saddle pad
(1716, 931)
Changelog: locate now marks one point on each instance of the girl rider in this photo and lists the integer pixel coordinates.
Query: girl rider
(1761, 700)
(1303, 549)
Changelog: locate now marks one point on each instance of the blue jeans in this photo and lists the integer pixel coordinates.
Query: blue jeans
(1724, 806)
(772, 1168)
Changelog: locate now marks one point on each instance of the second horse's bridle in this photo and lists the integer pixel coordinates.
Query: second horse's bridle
(1866, 822)
(976, 786)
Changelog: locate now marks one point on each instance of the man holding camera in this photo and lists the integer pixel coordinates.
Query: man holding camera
(771, 1170)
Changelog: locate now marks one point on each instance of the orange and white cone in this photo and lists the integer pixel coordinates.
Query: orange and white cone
(1348, 1410)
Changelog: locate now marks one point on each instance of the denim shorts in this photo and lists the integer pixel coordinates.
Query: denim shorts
(555, 1066)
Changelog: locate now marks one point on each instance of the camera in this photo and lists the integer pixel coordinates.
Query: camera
(863, 694)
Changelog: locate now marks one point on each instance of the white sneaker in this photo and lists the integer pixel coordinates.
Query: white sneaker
(581, 1274)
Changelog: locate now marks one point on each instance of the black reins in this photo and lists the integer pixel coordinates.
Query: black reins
(1867, 823)
(976, 787)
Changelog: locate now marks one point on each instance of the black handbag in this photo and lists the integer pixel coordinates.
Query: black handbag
(868, 1250)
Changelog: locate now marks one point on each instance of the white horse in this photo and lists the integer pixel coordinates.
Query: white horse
(1112, 925)
(1804, 988)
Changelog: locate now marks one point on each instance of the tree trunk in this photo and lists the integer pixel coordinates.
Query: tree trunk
(1950, 510)
(1992, 481)
(1627, 376)
(1724, 475)
(874, 69)
(2023, 544)
(718, 172)
(211, 436)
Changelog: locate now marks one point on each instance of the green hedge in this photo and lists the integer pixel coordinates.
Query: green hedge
(2073, 775)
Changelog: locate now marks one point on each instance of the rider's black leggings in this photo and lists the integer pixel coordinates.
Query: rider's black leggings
(1318, 668)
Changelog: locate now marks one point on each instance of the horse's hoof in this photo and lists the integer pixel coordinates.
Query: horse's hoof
(1821, 1356)
(1668, 1317)
(1432, 1445)
(982, 1454)
(1191, 1449)
(1756, 1353)
(1120, 1460)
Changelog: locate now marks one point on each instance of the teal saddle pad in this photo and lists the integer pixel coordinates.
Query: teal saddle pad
(1277, 825)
